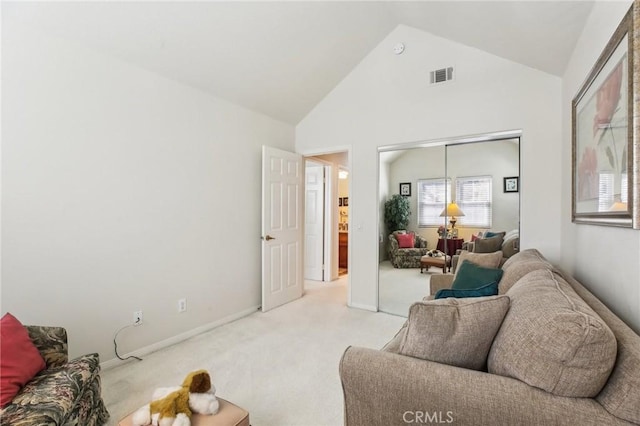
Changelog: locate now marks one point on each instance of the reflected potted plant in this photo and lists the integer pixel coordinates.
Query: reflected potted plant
(397, 211)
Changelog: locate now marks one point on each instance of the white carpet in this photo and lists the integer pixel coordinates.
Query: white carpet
(399, 288)
(281, 366)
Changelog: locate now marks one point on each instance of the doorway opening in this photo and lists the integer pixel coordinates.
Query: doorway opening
(326, 236)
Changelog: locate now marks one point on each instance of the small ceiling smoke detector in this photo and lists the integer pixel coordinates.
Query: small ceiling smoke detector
(398, 48)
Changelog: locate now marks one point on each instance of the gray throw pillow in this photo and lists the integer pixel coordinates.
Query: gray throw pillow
(488, 245)
(456, 332)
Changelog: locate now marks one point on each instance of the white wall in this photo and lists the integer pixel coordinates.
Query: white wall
(387, 100)
(123, 190)
(497, 159)
(605, 259)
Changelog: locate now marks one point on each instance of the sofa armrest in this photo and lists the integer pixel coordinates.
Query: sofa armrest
(510, 246)
(51, 342)
(438, 282)
(420, 242)
(454, 262)
(383, 388)
(393, 244)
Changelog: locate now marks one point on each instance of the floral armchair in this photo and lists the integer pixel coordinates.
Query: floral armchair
(64, 393)
(406, 257)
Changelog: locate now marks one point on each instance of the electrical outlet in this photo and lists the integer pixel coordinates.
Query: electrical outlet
(182, 305)
(137, 318)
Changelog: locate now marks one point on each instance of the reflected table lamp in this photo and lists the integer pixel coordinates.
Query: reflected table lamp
(452, 210)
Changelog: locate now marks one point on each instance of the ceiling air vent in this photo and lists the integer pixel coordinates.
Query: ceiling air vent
(442, 75)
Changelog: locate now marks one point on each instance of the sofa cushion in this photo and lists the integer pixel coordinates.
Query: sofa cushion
(405, 240)
(490, 234)
(487, 260)
(524, 255)
(488, 245)
(518, 270)
(551, 339)
(471, 276)
(457, 332)
(621, 395)
(490, 289)
(20, 360)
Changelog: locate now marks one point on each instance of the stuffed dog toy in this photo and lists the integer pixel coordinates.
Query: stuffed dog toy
(173, 406)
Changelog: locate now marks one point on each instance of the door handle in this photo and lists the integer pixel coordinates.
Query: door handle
(268, 238)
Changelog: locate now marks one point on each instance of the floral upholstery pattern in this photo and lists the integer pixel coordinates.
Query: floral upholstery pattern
(406, 257)
(65, 393)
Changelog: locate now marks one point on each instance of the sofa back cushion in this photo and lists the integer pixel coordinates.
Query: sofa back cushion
(621, 394)
(519, 265)
(524, 255)
(552, 339)
(488, 245)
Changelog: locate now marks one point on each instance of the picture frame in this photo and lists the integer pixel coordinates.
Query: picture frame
(345, 202)
(340, 201)
(511, 184)
(605, 116)
(405, 189)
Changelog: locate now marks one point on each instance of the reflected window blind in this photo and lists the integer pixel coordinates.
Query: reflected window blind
(473, 195)
(605, 191)
(433, 195)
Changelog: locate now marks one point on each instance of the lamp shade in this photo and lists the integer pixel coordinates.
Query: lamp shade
(618, 207)
(452, 210)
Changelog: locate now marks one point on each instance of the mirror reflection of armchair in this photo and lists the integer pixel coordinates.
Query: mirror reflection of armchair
(406, 257)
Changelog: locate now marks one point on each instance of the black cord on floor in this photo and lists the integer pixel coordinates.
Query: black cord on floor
(115, 345)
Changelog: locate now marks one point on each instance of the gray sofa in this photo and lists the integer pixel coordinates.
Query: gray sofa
(529, 377)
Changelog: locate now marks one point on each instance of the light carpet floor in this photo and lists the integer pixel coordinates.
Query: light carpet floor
(400, 288)
(281, 366)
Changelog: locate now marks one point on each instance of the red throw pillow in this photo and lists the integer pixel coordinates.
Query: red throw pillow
(474, 237)
(405, 240)
(20, 360)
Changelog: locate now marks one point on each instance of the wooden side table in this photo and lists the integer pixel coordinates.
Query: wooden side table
(453, 244)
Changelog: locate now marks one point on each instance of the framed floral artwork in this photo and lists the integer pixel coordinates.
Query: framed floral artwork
(604, 122)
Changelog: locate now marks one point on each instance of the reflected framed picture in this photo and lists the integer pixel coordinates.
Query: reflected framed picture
(340, 202)
(345, 202)
(510, 184)
(405, 189)
(604, 161)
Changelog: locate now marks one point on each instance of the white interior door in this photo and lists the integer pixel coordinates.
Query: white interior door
(282, 209)
(314, 221)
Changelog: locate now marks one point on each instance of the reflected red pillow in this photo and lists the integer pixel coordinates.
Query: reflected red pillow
(20, 361)
(405, 240)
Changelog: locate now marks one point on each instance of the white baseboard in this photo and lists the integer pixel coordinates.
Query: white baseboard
(179, 338)
(364, 307)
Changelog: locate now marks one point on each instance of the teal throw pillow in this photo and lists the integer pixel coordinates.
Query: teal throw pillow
(489, 234)
(470, 276)
(490, 289)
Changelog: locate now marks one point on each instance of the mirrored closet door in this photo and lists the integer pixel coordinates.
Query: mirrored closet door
(480, 177)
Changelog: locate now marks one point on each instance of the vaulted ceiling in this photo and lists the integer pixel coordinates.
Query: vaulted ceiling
(282, 58)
